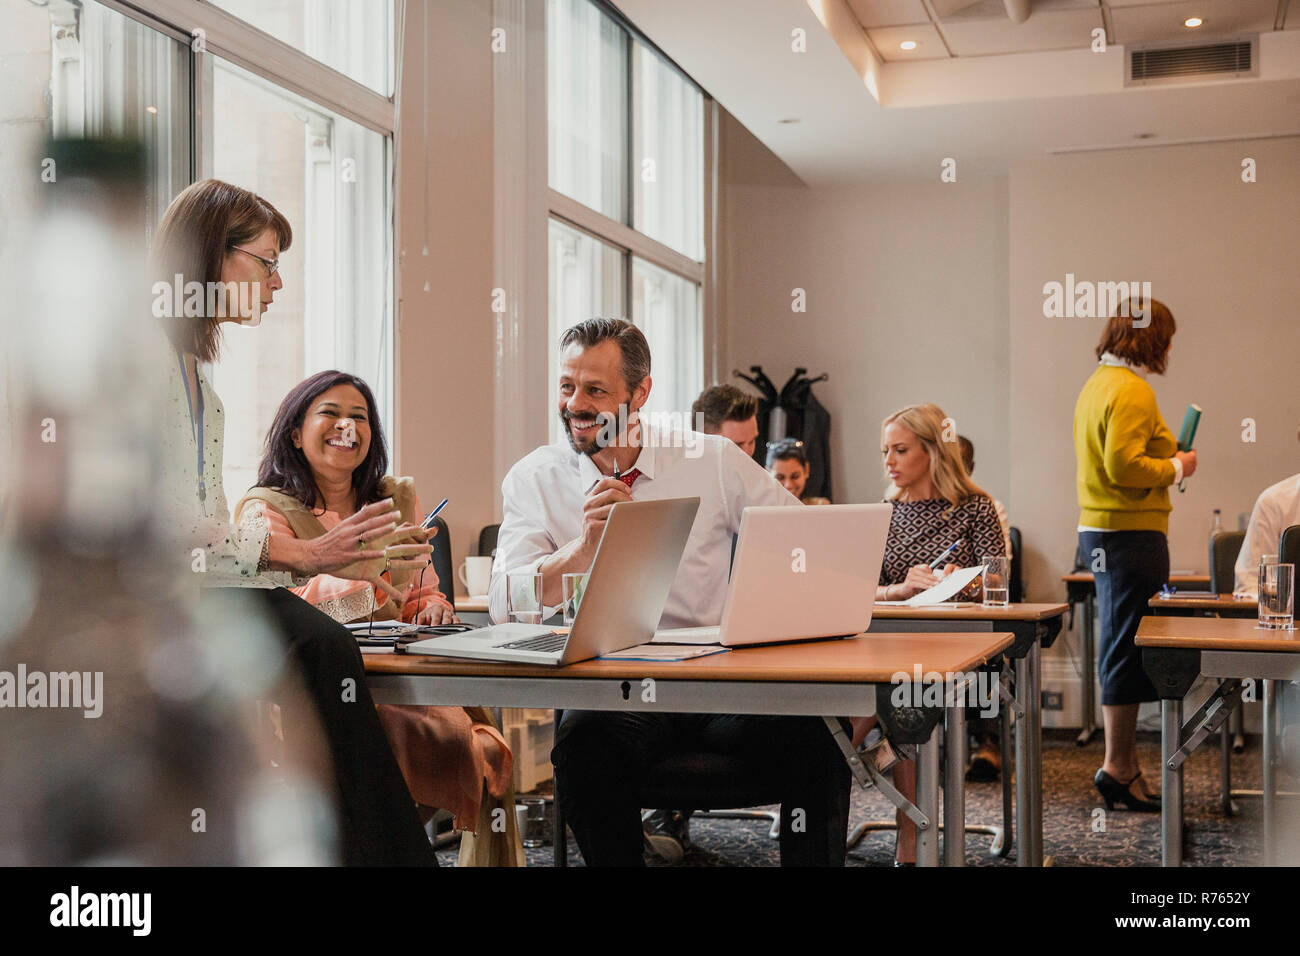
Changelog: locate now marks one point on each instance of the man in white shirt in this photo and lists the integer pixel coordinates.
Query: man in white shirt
(1276, 509)
(556, 501)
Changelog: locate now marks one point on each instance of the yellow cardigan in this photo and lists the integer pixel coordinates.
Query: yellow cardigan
(1122, 447)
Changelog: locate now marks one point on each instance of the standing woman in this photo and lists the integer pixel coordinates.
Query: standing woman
(226, 241)
(1127, 459)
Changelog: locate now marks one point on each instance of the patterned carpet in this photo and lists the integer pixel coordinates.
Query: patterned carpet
(1069, 802)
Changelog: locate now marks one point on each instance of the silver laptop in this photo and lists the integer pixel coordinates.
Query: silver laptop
(627, 586)
(799, 574)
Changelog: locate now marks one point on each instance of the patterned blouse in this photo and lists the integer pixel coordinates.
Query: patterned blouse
(920, 531)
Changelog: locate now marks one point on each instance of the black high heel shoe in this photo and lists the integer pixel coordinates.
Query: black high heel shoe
(1112, 791)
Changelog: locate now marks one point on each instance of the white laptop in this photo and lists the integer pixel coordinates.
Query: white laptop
(799, 574)
(627, 586)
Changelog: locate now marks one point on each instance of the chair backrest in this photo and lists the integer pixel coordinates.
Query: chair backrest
(1288, 545)
(1017, 583)
(487, 541)
(1224, 548)
(441, 560)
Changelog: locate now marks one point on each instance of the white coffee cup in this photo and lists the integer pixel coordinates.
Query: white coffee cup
(476, 575)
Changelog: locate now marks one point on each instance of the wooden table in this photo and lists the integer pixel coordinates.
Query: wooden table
(1081, 589)
(1221, 605)
(1177, 650)
(1034, 626)
(464, 602)
(855, 676)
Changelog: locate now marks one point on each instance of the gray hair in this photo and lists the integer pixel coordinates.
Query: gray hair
(631, 343)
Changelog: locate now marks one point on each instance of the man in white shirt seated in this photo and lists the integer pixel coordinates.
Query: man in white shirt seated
(556, 501)
(1276, 509)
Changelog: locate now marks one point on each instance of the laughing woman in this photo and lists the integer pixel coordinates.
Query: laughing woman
(326, 460)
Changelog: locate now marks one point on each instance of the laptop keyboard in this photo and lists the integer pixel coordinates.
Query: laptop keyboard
(546, 643)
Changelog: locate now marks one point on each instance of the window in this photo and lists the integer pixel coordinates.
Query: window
(329, 177)
(626, 169)
(112, 75)
(354, 37)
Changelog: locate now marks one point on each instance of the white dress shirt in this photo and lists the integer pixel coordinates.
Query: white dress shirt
(1276, 509)
(544, 493)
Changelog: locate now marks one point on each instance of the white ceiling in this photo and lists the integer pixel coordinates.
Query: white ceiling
(979, 88)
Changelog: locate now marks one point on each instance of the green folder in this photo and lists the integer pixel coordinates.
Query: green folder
(1188, 433)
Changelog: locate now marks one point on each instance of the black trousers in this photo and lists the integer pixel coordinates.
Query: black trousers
(1133, 566)
(379, 825)
(602, 760)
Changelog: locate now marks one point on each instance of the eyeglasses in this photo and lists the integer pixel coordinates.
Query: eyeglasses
(271, 264)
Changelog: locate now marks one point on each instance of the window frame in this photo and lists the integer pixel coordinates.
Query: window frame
(635, 244)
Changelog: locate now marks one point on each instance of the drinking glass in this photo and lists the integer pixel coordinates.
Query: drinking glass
(575, 585)
(997, 578)
(524, 596)
(1276, 595)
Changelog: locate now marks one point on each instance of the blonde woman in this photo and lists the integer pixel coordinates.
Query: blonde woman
(936, 505)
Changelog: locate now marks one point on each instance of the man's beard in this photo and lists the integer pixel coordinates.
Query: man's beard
(606, 434)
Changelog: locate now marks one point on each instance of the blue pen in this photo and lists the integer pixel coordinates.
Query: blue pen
(428, 522)
(941, 558)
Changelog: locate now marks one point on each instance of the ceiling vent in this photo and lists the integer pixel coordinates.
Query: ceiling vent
(1222, 59)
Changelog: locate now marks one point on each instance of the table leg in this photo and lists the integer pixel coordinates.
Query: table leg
(1004, 744)
(1270, 781)
(1035, 714)
(1087, 688)
(927, 791)
(1171, 784)
(1225, 767)
(954, 781)
(1024, 845)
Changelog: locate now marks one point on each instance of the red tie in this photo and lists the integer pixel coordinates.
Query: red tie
(630, 476)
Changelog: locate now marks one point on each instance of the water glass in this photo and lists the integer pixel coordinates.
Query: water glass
(533, 831)
(575, 585)
(997, 580)
(524, 597)
(1276, 595)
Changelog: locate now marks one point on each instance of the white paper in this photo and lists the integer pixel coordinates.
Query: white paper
(687, 635)
(946, 588)
(661, 652)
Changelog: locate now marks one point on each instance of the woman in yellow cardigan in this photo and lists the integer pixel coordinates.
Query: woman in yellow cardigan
(1127, 459)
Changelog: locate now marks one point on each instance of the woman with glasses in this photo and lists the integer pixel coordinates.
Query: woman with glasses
(325, 459)
(225, 242)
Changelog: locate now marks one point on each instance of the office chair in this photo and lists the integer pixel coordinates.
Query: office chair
(440, 560)
(1017, 582)
(1224, 548)
(690, 779)
(487, 541)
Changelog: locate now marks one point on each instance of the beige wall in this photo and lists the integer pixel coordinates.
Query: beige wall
(931, 291)
(444, 361)
(1222, 255)
(906, 302)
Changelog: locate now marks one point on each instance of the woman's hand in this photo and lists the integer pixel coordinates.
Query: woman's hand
(919, 577)
(343, 544)
(1188, 458)
(428, 606)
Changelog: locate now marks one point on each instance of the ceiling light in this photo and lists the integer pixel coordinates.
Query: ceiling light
(908, 45)
(1193, 22)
